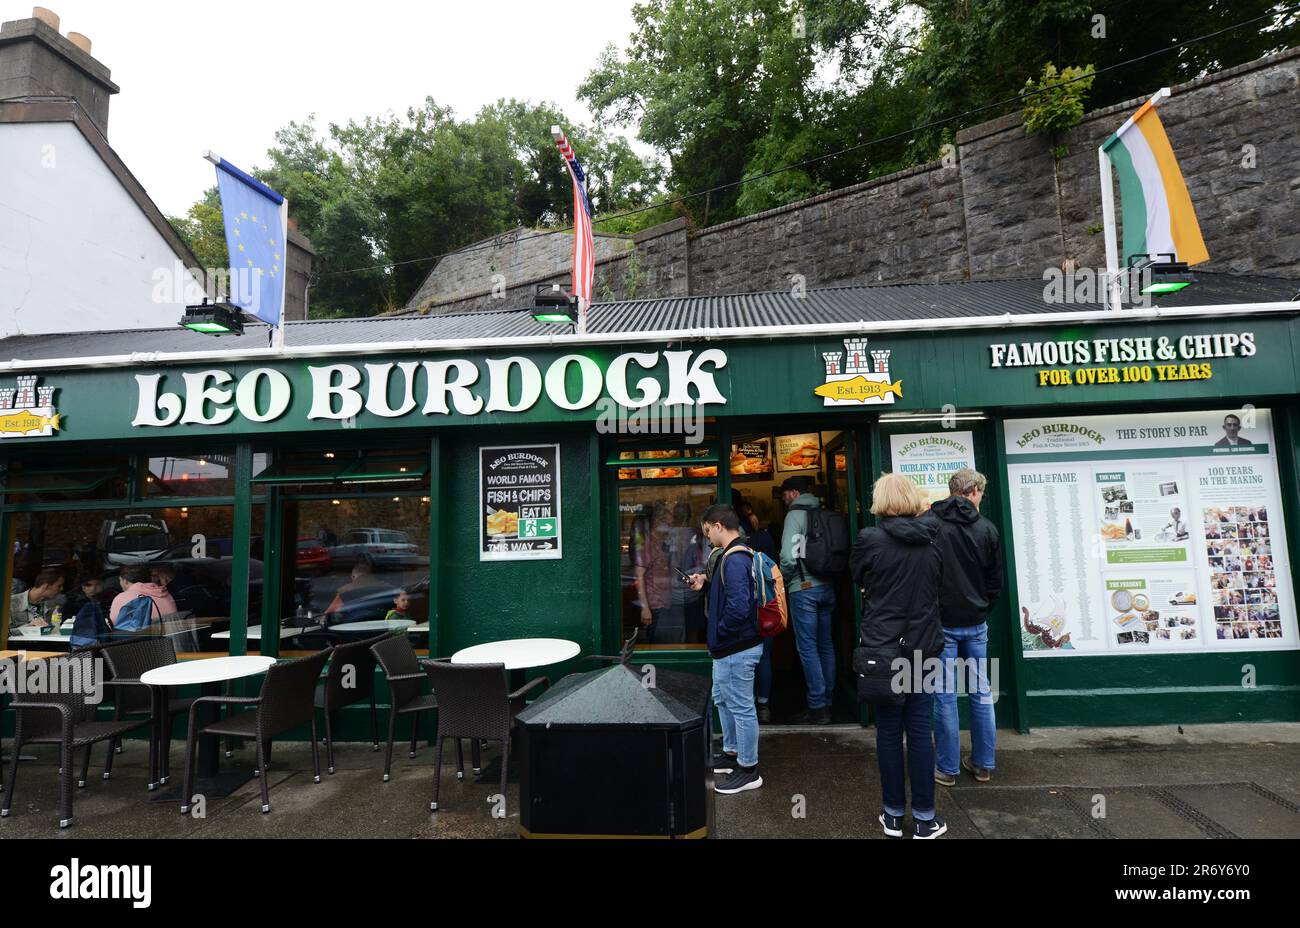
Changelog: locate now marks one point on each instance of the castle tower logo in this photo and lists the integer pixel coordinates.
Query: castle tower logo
(27, 409)
(857, 376)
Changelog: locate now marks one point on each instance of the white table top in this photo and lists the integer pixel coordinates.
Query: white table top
(519, 654)
(210, 670)
(421, 629)
(255, 633)
(378, 625)
(30, 632)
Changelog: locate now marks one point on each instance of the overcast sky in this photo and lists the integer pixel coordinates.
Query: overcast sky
(225, 76)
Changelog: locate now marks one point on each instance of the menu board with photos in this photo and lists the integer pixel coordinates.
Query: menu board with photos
(798, 452)
(1149, 533)
(519, 503)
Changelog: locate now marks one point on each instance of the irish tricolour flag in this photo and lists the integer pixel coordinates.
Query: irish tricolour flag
(1158, 214)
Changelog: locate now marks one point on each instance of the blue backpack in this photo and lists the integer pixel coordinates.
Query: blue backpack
(136, 614)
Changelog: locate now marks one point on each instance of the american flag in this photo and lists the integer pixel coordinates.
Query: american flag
(584, 256)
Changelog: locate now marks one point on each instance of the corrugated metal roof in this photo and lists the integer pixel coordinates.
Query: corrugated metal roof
(880, 303)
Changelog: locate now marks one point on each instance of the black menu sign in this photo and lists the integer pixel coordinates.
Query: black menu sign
(519, 503)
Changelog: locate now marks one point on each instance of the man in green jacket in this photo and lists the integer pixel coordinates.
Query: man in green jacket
(812, 603)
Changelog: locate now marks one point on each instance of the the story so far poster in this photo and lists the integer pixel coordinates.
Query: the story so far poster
(1149, 533)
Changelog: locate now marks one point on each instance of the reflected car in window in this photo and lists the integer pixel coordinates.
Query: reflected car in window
(134, 539)
(377, 548)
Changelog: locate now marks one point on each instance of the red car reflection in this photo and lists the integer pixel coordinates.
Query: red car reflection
(312, 555)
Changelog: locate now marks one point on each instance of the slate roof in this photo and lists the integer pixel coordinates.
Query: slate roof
(873, 304)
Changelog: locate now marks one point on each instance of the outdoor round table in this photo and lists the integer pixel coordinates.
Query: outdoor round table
(518, 655)
(377, 625)
(209, 674)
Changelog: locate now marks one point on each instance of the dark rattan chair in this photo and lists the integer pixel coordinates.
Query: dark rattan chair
(406, 680)
(352, 663)
(622, 657)
(475, 702)
(285, 703)
(130, 660)
(65, 719)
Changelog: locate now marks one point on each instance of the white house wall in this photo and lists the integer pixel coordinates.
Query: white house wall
(76, 252)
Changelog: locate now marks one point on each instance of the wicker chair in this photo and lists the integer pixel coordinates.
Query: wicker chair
(625, 655)
(130, 660)
(475, 702)
(406, 679)
(332, 695)
(285, 703)
(67, 720)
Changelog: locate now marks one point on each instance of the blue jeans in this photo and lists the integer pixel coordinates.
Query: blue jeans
(764, 689)
(891, 721)
(733, 694)
(810, 613)
(970, 643)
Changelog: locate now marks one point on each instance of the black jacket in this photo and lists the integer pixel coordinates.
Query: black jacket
(972, 557)
(900, 571)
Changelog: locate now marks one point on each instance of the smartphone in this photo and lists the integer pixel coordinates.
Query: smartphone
(683, 576)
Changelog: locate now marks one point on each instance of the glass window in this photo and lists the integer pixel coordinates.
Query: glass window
(361, 568)
(53, 478)
(82, 576)
(196, 474)
(660, 541)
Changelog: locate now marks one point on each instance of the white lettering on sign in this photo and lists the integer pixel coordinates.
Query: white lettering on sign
(1123, 350)
(340, 392)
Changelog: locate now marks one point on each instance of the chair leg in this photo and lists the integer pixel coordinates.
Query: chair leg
(505, 772)
(165, 746)
(65, 782)
(85, 767)
(415, 730)
(460, 760)
(475, 761)
(15, 746)
(263, 761)
(155, 736)
(392, 734)
(315, 749)
(329, 740)
(187, 782)
(437, 774)
(374, 722)
(108, 763)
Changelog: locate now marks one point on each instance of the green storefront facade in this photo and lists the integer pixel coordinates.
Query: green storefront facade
(435, 406)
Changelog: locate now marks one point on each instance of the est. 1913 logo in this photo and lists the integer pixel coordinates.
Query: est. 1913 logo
(27, 411)
(856, 376)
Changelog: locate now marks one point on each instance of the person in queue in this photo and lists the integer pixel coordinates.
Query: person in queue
(972, 580)
(812, 603)
(900, 570)
(760, 539)
(735, 646)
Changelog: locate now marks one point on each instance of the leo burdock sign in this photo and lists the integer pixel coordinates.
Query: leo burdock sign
(519, 503)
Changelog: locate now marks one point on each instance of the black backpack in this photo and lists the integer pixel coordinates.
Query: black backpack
(827, 545)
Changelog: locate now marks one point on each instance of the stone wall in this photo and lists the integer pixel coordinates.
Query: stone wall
(1005, 206)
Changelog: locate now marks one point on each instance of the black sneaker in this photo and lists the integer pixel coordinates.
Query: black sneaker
(893, 824)
(723, 763)
(740, 780)
(930, 829)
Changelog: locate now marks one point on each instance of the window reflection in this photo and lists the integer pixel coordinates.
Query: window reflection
(662, 541)
(86, 577)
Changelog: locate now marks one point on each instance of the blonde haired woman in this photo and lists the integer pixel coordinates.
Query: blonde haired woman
(899, 569)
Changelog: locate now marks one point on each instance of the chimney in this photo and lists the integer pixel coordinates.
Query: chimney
(36, 61)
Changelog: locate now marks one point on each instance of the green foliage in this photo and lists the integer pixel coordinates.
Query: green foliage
(203, 230)
(1057, 100)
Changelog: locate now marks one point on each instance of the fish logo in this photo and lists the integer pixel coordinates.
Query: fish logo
(27, 409)
(860, 389)
(857, 376)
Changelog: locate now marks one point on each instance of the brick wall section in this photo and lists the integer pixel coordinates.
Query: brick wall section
(1007, 208)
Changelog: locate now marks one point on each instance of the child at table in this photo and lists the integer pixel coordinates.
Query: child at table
(401, 608)
(91, 623)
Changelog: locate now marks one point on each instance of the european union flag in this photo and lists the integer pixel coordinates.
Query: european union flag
(256, 218)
